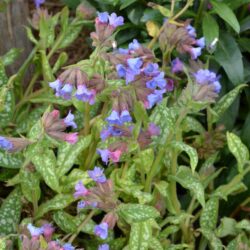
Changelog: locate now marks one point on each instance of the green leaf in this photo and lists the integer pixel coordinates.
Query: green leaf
(68, 153)
(244, 224)
(226, 14)
(70, 224)
(214, 242)
(144, 160)
(209, 215)
(191, 124)
(226, 228)
(47, 70)
(7, 101)
(59, 201)
(45, 162)
(191, 181)
(137, 212)
(155, 244)
(192, 153)
(236, 4)
(10, 212)
(238, 149)
(225, 102)
(140, 236)
(30, 185)
(61, 60)
(11, 160)
(229, 56)
(126, 3)
(210, 28)
(50, 99)
(30, 35)
(11, 56)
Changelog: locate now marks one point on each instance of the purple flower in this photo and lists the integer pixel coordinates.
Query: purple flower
(69, 120)
(110, 131)
(68, 246)
(135, 64)
(121, 70)
(48, 231)
(123, 51)
(80, 190)
(56, 85)
(205, 76)
(66, 91)
(5, 144)
(158, 81)
(125, 117)
(152, 69)
(177, 65)
(113, 118)
(104, 153)
(101, 230)
(201, 42)
(103, 17)
(103, 247)
(38, 3)
(115, 20)
(195, 52)
(155, 97)
(85, 95)
(191, 31)
(34, 231)
(134, 45)
(97, 175)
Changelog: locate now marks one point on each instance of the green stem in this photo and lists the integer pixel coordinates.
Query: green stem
(86, 119)
(85, 221)
(188, 4)
(172, 8)
(209, 120)
(203, 3)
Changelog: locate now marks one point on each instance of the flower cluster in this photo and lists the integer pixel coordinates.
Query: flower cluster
(100, 196)
(54, 126)
(183, 38)
(43, 236)
(105, 26)
(75, 82)
(12, 144)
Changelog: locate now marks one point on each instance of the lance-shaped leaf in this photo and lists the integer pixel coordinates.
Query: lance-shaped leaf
(210, 28)
(45, 162)
(140, 236)
(209, 215)
(155, 244)
(214, 242)
(70, 224)
(68, 153)
(136, 212)
(14, 160)
(10, 212)
(226, 14)
(30, 184)
(11, 56)
(60, 201)
(191, 124)
(225, 102)
(192, 153)
(238, 149)
(144, 160)
(190, 181)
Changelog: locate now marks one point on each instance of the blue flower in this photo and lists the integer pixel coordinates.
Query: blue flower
(121, 70)
(191, 31)
(34, 231)
(158, 81)
(81, 204)
(201, 42)
(125, 117)
(135, 64)
(69, 120)
(177, 65)
(195, 52)
(80, 190)
(115, 20)
(104, 153)
(123, 51)
(134, 45)
(103, 17)
(103, 247)
(152, 69)
(5, 144)
(155, 97)
(97, 175)
(66, 91)
(101, 230)
(85, 95)
(113, 118)
(56, 85)
(68, 246)
(38, 3)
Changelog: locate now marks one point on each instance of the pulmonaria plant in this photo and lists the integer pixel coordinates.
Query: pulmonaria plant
(125, 151)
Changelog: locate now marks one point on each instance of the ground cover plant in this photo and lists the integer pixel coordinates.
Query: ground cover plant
(137, 146)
